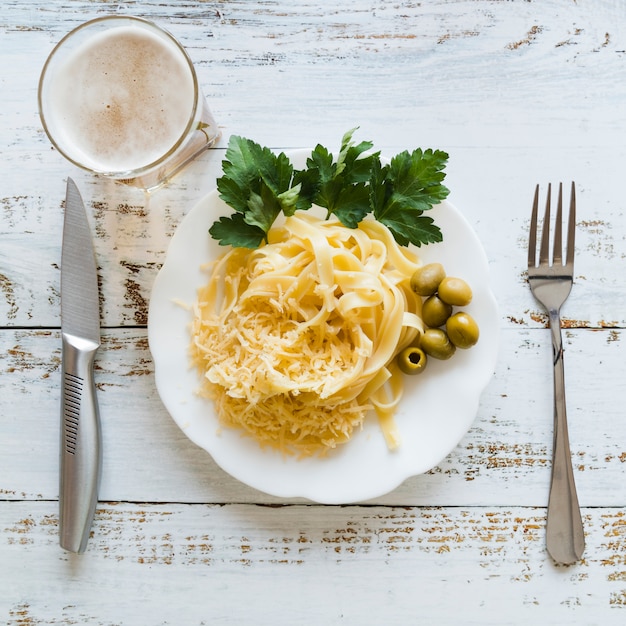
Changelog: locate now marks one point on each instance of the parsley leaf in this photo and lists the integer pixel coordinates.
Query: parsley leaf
(260, 185)
(402, 190)
(234, 231)
(340, 186)
(257, 183)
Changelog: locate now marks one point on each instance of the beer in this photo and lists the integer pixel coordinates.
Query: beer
(124, 100)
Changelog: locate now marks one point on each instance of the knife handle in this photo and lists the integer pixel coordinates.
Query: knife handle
(80, 450)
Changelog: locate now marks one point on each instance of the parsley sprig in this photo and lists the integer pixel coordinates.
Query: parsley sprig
(260, 185)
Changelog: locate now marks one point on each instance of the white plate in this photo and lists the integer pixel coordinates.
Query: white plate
(437, 409)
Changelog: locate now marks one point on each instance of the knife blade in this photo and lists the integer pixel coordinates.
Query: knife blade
(80, 445)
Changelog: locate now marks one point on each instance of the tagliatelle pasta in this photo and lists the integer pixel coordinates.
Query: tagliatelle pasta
(296, 340)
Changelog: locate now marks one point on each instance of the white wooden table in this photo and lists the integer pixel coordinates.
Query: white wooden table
(518, 93)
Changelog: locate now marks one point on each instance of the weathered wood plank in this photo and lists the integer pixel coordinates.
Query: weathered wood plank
(504, 459)
(401, 62)
(199, 564)
(132, 234)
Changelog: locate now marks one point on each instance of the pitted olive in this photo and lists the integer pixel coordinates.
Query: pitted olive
(462, 330)
(412, 360)
(435, 343)
(455, 291)
(426, 279)
(435, 311)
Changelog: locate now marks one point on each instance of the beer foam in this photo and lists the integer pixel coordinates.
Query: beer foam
(122, 100)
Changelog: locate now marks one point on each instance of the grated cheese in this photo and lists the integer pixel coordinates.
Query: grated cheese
(296, 340)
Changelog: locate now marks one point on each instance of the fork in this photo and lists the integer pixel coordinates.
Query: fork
(551, 282)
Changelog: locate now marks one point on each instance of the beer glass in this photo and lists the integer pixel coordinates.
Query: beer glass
(119, 96)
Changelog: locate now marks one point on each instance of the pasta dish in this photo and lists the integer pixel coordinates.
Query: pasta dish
(296, 340)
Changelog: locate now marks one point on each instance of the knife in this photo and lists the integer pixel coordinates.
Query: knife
(80, 449)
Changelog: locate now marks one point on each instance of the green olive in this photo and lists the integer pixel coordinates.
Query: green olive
(435, 343)
(412, 360)
(435, 311)
(426, 279)
(455, 291)
(462, 330)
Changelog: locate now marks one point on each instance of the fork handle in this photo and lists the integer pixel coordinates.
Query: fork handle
(565, 537)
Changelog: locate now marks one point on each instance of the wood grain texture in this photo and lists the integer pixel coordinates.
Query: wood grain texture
(518, 93)
(523, 59)
(503, 460)
(132, 233)
(326, 564)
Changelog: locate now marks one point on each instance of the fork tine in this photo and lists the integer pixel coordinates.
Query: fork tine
(571, 227)
(557, 250)
(545, 231)
(532, 235)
